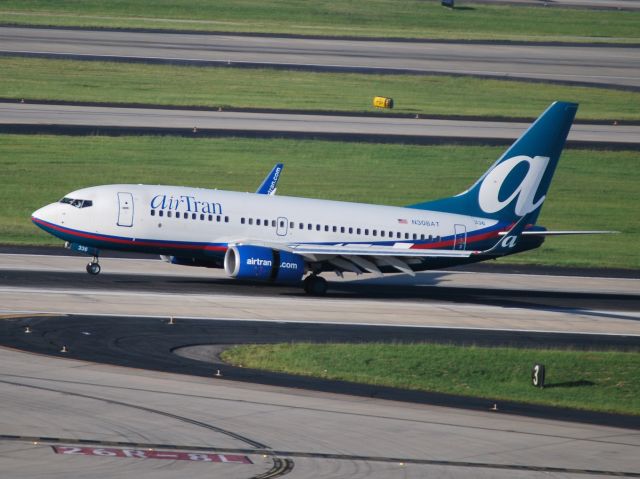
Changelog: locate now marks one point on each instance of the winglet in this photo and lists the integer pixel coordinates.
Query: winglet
(508, 242)
(270, 183)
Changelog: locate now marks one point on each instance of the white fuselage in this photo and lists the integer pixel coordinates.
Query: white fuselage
(123, 215)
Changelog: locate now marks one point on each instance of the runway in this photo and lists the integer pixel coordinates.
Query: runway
(127, 420)
(283, 432)
(610, 66)
(587, 4)
(27, 117)
(59, 284)
(191, 346)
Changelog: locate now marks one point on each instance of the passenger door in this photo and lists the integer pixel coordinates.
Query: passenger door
(125, 209)
(460, 237)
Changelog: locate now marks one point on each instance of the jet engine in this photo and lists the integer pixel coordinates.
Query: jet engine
(263, 264)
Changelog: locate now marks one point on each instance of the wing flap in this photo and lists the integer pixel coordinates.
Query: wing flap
(395, 263)
(365, 264)
(348, 250)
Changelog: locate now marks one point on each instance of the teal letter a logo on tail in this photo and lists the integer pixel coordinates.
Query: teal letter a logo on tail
(517, 183)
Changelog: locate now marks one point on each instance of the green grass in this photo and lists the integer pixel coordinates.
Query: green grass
(40, 79)
(591, 380)
(591, 190)
(367, 18)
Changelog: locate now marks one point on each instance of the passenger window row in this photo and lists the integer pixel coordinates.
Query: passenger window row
(336, 229)
(193, 216)
(301, 226)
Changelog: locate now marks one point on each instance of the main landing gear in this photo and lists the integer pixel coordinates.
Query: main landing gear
(93, 268)
(315, 285)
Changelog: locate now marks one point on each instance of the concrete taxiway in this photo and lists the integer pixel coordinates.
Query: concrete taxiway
(197, 123)
(586, 4)
(37, 283)
(605, 65)
(111, 421)
(96, 412)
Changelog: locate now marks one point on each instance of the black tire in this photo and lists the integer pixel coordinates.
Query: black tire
(306, 284)
(315, 285)
(93, 268)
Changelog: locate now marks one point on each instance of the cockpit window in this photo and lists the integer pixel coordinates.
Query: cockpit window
(76, 202)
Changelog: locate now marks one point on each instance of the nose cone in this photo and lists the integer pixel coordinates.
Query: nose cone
(37, 214)
(46, 214)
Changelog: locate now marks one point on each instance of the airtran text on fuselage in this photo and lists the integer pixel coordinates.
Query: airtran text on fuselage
(185, 203)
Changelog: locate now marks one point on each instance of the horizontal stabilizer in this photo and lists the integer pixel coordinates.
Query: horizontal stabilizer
(562, 233)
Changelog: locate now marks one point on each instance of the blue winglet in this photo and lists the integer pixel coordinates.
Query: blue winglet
(270, 183)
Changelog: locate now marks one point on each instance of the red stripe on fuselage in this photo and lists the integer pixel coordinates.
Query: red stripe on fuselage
(470, 239)
(112, 239)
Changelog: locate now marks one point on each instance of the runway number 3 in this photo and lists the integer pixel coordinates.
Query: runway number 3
(537, 375)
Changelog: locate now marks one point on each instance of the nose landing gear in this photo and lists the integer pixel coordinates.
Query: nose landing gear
(93, 268)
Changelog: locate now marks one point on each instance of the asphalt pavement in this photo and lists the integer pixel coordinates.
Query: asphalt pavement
(613, 65)
(84, 119)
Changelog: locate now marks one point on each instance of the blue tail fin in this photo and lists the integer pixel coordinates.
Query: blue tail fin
(517, 183)
(270, 183)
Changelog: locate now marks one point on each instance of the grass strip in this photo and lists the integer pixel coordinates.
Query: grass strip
(591, 189)
(365, 18)
(40, 79)
(588, 380)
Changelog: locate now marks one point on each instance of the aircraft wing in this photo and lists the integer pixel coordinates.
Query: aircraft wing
(270, 183)
(359, 249)
(320, 252)
(360, 257)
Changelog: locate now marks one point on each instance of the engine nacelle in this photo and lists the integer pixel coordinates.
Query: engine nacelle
(263, 264)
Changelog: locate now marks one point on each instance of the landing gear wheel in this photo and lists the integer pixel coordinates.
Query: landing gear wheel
(93, 268)
(315, 285)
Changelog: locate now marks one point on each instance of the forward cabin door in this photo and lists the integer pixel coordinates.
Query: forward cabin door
(125, 209)
(460, 237)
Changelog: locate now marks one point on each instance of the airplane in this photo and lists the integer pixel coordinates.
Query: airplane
(264, 237)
